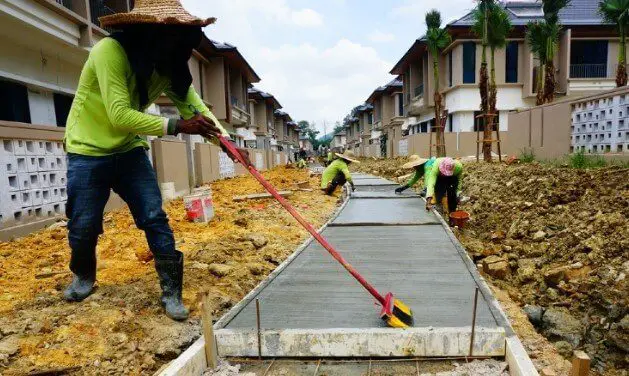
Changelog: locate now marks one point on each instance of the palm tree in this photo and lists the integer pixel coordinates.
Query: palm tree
(552, 30)
(437, 39)
(536, 39)
(617, 12)
(481, 29)
(499, 28)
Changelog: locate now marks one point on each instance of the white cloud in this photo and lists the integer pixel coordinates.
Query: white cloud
(416, 10)
(381, 37)
(306, 18)
(322, 84)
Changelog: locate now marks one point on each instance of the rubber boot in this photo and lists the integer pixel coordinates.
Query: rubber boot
(170, 273)
(80, 288)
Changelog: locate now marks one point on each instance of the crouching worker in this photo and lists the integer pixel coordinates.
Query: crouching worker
(444, 179)
(337, 173)
(420, 165)
(123, 75)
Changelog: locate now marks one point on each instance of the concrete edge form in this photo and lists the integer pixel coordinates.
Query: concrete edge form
(357, 343)
(193, 358)
(519, 362)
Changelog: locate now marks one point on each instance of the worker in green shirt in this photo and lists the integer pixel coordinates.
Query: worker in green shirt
(337, 173)
(444, 179)
(123, 75)
(420, 165)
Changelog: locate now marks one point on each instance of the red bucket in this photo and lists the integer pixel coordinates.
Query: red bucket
(459, 218)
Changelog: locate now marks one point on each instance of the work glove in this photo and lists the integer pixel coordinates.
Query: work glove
(196, 125)
(401, 189)
(428, 203)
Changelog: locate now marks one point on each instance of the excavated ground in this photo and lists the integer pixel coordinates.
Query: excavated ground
(121, 328)
(556, 241)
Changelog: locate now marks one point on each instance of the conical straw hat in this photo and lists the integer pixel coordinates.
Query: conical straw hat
(414, 161)
(164, 12)
(348, 156)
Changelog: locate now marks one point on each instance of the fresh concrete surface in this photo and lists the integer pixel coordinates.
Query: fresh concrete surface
(371, 182)
(315, 308)
(387, 212)
(389, 193)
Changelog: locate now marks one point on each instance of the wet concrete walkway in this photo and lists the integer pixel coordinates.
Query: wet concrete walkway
(312, 307)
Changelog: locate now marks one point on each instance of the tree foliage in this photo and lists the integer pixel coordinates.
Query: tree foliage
(617, 12)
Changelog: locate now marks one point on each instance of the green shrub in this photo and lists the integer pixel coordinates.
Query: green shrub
(580, 160)
(527, 155)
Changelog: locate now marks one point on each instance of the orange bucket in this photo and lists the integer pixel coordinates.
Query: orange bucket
(459, 218)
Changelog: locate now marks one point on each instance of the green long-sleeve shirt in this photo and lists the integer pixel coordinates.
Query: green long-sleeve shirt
(433, 173)
(338, 165)
(421, 172)
(104, 118)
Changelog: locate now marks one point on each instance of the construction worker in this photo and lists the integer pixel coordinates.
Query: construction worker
(444, 179)
(123, 75)
(337, 173)
(331, 157)
(420, 165)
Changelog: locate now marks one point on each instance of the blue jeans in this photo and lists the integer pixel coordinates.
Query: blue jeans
(132, 177)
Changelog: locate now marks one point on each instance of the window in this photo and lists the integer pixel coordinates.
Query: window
(588, 59)
(423, 128)
(511, 61)
(450, 125)
(400, 104)
(369, 118)
(14, 99)
(469, 63)
(450, 69)
(62, 108)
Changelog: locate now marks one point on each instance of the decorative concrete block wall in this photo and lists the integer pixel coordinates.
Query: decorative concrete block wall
(601, 125)
(32, 180)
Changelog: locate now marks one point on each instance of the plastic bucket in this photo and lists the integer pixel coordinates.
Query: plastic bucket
(459, 218)
(199, 206)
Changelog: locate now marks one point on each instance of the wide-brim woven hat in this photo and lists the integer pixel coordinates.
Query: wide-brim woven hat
(414, 161)
(348, 156)
(164, 12)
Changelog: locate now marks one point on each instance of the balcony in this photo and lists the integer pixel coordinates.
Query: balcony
(240, 116)
(588, 71)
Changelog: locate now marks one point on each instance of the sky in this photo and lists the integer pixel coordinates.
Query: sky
(321, 58)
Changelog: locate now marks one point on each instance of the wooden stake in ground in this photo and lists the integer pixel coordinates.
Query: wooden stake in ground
(208, 333)
(580, 364)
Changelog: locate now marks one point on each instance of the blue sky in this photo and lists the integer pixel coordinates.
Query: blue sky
(321, 58)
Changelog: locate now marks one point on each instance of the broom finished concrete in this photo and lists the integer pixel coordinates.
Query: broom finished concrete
(314, 308)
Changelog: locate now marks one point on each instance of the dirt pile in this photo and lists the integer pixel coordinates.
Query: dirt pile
(557, 240)
(121, 329)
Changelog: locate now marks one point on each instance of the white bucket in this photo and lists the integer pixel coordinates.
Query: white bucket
(199, 205)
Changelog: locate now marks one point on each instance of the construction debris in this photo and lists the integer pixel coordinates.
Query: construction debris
(563, 234)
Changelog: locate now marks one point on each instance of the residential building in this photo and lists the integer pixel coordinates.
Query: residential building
(262, 107)
(284, 127)
(364, 113)
(585, 62)
(339, 141)
(388, 118)
(222, 77)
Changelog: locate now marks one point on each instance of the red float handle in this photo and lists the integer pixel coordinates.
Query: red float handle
(232, 150)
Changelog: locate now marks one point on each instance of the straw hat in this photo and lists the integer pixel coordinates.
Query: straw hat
(414, 161)
(348, 156)
(165, 12)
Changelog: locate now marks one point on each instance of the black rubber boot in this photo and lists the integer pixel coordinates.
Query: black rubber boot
(80, 288)
(170, 273)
